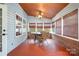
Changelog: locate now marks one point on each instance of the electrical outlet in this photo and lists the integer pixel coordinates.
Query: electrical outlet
(11, 43)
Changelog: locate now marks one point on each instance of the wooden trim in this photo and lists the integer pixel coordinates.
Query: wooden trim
(47, 23)
(78, 23)
(66, 37)
(31, 23)
(47, 26)
(31, 26)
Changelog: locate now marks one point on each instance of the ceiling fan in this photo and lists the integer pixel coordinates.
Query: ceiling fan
(40, 13)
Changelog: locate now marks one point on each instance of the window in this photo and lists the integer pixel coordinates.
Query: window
(39, 27)
(71, 24)
(32, 27)
(24, 26)
(58, 26)
(53, 27)
(47, 27)
(18, 25)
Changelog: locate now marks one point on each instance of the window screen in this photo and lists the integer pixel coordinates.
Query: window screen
(47, 27)
(58, 26)
(71, 24)
(32, 27)
(39, 27)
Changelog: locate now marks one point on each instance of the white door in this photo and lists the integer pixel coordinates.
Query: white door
(3, 30)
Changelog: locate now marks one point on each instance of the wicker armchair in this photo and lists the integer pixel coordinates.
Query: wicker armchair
(31, 36)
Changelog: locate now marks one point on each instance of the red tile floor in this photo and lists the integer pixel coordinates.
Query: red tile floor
(47, 49)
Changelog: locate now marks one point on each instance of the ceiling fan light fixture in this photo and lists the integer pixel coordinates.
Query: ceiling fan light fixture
(39, 16)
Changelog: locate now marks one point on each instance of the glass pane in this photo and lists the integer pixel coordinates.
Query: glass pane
(24, 26)
(53, 27)
(71, 24)
(58, 26)
(39, 27)
(24, 22)
(32, 29)
(47, 27)
(0, 29)
(18, 25)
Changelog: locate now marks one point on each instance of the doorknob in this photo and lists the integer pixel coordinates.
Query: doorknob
(3, 34)
(4, 30)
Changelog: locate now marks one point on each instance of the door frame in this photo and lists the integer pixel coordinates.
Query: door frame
(4, 26)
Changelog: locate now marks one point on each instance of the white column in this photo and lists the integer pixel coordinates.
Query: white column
(55, 28)
(36, 27)
(43, 26)
(22, 26)
(51, 28)
(28, 27)
(62, 26)
(78, 23)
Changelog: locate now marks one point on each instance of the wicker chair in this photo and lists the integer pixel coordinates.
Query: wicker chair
(31, 36)
(44, 35)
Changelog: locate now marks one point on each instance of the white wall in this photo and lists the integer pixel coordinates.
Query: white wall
(12, 9)
(69, 8)
(13, 41)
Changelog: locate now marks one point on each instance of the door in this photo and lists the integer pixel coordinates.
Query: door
(0, 30)
(3, 28)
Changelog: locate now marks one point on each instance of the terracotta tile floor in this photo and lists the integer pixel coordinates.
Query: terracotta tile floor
(50, 49)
